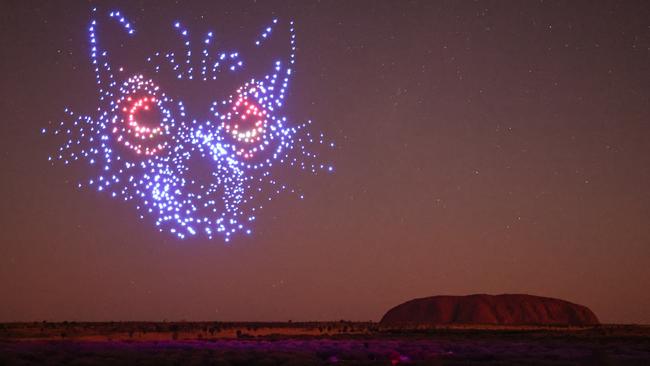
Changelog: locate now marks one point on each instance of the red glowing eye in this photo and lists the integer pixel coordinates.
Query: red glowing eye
(247, 121)
(246, 124)
(142, 121)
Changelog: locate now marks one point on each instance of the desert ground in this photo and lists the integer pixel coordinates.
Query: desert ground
(318, 343)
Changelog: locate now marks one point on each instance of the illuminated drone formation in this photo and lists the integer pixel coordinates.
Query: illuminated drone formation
(149, 162)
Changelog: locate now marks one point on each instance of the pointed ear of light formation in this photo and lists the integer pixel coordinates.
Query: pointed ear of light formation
(142, 146)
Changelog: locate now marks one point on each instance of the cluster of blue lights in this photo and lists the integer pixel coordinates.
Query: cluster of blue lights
(144, 145)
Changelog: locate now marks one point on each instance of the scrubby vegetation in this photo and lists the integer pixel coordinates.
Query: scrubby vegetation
(319, 343)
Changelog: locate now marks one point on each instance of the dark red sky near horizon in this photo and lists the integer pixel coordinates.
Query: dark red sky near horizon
(482, 147)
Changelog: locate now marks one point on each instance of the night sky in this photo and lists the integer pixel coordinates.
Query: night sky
(482, 147)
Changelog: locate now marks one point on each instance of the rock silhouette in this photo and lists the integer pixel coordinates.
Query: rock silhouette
(507, 309)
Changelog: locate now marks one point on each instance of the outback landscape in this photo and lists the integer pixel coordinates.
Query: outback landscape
(438, 330)
(319, 343)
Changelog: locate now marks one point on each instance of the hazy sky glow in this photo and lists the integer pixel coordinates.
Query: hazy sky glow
(482, 147)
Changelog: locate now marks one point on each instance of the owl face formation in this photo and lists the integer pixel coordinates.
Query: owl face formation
(195, 172)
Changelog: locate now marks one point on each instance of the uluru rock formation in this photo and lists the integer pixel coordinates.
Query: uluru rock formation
(507, 309)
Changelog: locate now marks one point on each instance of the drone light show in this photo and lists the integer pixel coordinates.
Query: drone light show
(140, 141)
